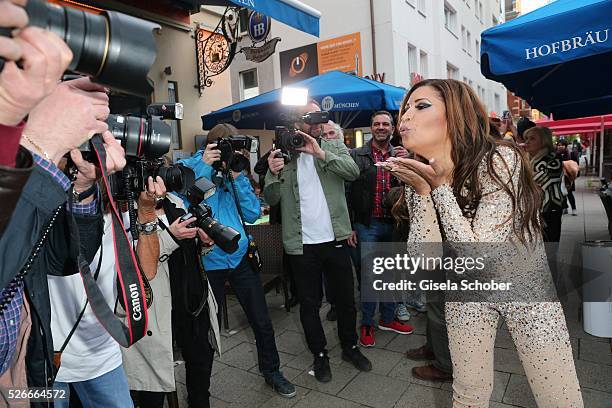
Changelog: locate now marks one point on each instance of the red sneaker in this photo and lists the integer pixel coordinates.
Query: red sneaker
(396, 326)
(367, 336)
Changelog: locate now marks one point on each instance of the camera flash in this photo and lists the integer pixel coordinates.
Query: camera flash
(294, 96)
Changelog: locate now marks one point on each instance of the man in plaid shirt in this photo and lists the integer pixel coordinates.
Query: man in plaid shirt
(372, 222)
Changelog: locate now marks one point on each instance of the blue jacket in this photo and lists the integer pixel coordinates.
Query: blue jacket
(225, 211)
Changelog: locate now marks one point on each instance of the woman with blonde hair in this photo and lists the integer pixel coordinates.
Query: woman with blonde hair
(475, 192)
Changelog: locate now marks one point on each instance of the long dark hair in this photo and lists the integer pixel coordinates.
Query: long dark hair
(471, 141)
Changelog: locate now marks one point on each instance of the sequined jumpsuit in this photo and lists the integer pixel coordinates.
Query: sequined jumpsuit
(538, 329)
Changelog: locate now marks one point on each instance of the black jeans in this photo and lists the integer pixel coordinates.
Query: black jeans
(552, 225)
(198, 355)
(333, 260)
(247, 286)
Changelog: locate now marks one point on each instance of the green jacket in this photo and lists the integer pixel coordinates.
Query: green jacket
(337, 168)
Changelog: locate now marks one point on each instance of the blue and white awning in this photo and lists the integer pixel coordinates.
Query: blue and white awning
(291, 12)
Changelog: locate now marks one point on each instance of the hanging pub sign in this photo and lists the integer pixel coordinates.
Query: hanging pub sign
(258, 29)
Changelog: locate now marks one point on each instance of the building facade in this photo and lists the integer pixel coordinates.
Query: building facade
(402, 41)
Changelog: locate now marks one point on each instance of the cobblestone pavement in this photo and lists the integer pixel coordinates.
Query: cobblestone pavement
(237, 383)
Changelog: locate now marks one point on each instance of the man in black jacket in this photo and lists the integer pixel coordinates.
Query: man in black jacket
(372, 222)
(37, 239)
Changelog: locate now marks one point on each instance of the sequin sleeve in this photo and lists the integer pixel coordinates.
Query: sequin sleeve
(493, 219)
(423, 220)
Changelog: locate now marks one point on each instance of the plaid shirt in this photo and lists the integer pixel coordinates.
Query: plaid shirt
(383, 184)
(10, 319)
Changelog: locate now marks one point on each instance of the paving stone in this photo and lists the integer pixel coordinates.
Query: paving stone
(595, 376)
(508, 361)
(503, 339)
(301, 362)
(316, 399)
(374, 390)
(383, 338)
(500, 382)
(278, 401)
(403, 371)
(214, 403)
(243, 356)
(216, 368)
(291, 342)
(232, 382)
(518, 392)
(494, 404)
(229, 342)
(595, 352)
(249, 399)
(596, 399)
(418, 396)
(383, 361)
(402, 343)
(419, 322)
(341, 376)
(290, 322)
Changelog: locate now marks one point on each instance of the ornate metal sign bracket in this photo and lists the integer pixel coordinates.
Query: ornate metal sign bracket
(215, 51)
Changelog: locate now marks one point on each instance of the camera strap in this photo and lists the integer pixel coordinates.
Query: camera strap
(128, 273)
(252, 250)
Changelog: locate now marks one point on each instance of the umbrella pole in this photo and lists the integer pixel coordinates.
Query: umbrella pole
(601, 148)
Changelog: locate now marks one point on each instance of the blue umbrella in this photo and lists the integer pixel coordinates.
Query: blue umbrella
(558, 57)
(349, 98)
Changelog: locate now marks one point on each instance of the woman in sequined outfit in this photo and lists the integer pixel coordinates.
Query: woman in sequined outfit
(482, 192)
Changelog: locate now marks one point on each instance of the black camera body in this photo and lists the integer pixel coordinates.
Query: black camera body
(137, 171)
(228, 147)
(225, 237)
(288, 140)
(145, 140)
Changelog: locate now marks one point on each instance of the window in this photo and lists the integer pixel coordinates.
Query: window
(468, 43)
(477, 51)
(412, 59)
(471, 83)
(422, 6)
(248, 84)
(494, 21)
(174, 124)
(465, 80)
(452, 72)
(463, 38)
(450, 18)
(480, 13)
(424, 67)
(476, 8)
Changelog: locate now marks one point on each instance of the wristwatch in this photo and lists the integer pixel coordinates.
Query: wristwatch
(78, 197)
(147, 228)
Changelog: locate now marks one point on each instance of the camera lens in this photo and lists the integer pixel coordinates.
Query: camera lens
(177, 178)
(297, 140)
(105, 46)
(225, 237)
(141, 137)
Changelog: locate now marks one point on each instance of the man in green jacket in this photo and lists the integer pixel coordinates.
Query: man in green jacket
(316, 225)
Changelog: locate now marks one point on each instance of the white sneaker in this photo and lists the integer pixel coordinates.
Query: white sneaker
(401, 313)
(574, 212)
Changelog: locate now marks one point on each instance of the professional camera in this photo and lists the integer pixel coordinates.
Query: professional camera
(145, 140)
(115, 49)
(225, 237)
(228, 147)
(286, 137)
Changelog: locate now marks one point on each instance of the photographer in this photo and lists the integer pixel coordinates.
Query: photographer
(44, 58)
(91, 359)
(182, 291)
(316, 225)
(221, 266)
(37, 240)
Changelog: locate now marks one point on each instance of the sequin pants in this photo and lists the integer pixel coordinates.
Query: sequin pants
(540, 334)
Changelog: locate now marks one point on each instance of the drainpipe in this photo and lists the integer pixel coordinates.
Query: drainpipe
(373, 29)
